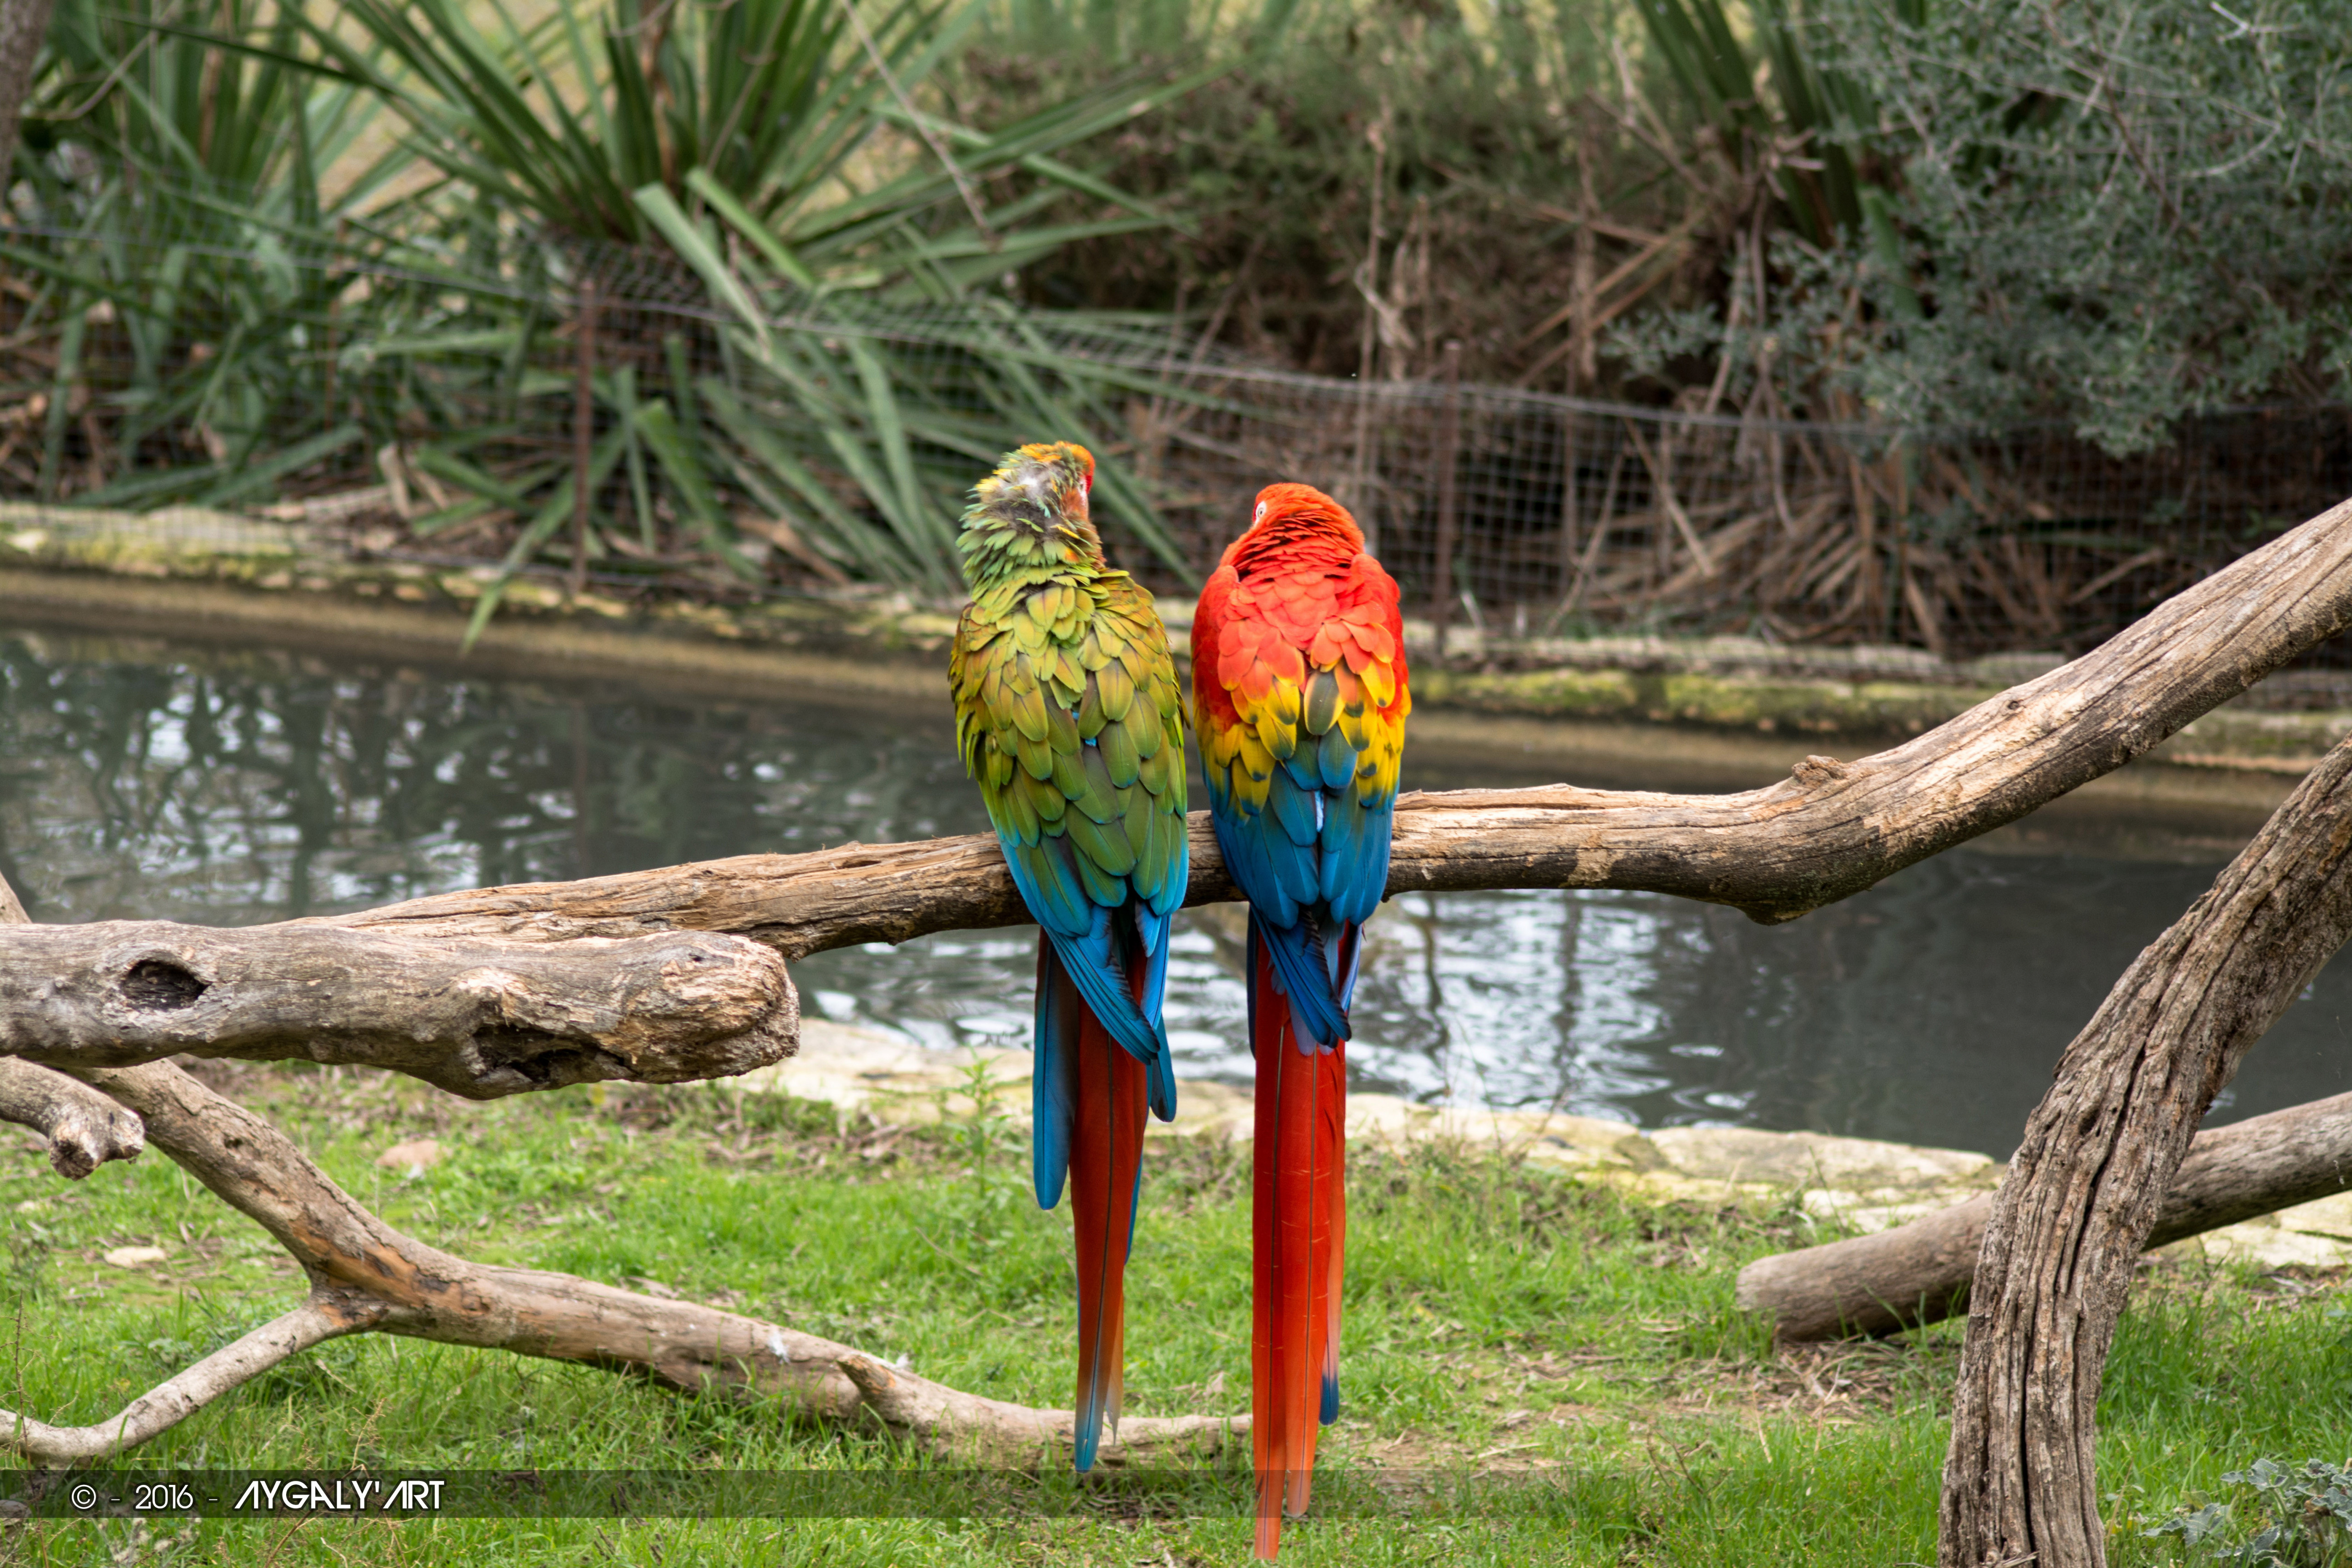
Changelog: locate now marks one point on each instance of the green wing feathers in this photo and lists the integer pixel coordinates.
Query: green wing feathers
(1069, 718)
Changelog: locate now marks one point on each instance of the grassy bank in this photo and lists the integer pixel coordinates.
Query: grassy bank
(1501, 1318)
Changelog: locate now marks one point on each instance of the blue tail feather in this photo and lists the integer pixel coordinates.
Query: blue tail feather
(1053, 1078)
(1299, 966)
(1093, 967)
(1347, 959)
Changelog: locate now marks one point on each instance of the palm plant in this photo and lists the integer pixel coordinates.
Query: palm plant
(1804, 126)
(777, 140)
(180, 235)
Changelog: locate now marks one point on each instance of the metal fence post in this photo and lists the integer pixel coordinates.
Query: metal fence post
(1449, 443)
(584, 432)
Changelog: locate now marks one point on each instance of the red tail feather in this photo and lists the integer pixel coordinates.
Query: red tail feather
(1299, 1222)
(1105, 1158)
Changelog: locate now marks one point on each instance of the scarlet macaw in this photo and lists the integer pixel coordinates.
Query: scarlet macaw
(1069, 718)
(1300, 699)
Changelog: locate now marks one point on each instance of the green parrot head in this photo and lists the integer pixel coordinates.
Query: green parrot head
(1030, 517)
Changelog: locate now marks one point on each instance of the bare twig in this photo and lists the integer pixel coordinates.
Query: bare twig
(1657, 464)
(84, 1128)
(329, 1315)
(923, 126)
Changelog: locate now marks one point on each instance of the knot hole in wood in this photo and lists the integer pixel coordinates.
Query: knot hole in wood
(159, 985)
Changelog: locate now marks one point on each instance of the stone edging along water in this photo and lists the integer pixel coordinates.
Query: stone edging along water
(1844, 1184)
(192, 571)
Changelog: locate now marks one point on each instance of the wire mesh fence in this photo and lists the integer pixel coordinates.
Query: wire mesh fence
(455, 405)
(1529, 513)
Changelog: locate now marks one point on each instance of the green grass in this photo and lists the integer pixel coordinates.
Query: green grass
(1498, 1316)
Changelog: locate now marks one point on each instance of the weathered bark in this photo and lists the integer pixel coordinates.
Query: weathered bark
(23, 24)
(1919, 1273)
(479, 1018)
(85, 1129)
(365, 1276)
(1830, 831)
(2084, 1189)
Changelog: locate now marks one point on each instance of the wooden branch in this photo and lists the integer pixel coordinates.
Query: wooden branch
(327, 1315)
(1830, 831)
(479, 1018)
(85, 1129)
(2083, 1191)
(367, 1276)
(1919, 1273)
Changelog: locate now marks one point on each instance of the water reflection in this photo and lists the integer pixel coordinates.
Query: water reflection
(152, 780)
(174, 784)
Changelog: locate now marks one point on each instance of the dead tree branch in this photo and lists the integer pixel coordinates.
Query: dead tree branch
(1830, 831)
(322, 1318)
(2100, 1152)
(479, 1018)
(85, 1129)
(366, 1275)
(1919, 1273)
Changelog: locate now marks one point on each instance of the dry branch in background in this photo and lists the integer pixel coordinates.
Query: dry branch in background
(1919, 1273)
(2084, 1189)
(1830, 831)
(365, 1276)
(477, 1018)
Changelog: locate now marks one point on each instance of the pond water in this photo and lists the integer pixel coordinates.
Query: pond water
(148, 779)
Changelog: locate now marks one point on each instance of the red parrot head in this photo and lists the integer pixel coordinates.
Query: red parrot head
(1032, 512)
(1296, 525)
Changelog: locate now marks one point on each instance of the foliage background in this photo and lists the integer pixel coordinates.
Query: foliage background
(832, 258)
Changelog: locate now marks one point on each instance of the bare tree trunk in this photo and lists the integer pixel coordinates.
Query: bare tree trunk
(24, 25)
(2084, 1190)
(1919, 1273)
